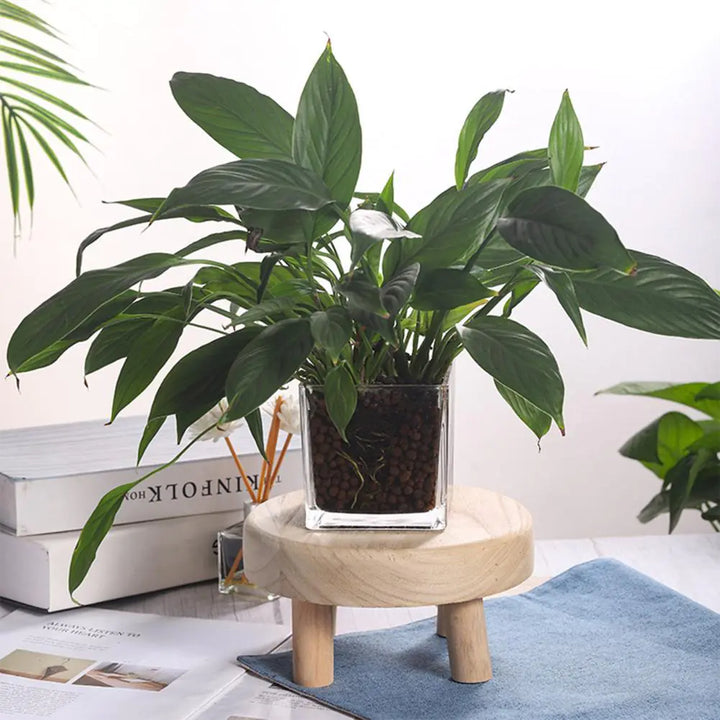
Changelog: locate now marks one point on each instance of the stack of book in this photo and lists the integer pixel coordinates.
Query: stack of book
(52, 477)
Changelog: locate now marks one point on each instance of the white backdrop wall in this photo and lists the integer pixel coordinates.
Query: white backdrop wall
(643, 79)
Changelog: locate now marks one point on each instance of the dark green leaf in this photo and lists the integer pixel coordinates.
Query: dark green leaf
(254, 423)
(680, 478)
(559, 228)
(453, 225)
(279, 228)
(566, 146)
(512, 167)
(266, 364)
(362, 294)
(340, 397)
(244, 121)
(690, 394)
(447, 288)
(564, 290)
(661, 298)
(481, 118)
(256, 184)
(113, 343)
(331, 330)
(395, 292)
(537, 420)
(326, 134)
(588, 173)
(524, 283)
(67, 309)
(710, 392)
(147, 356)
(387, 196)
(658, 505)
(518, 359)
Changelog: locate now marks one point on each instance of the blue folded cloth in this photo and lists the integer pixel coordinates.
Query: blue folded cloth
(599, 642)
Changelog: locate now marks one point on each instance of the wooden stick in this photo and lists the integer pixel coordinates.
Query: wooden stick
(233, 569)
(276, 469)
(270, 449)
(248, 486)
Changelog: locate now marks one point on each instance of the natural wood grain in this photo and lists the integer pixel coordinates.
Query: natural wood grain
(467, 641)
(313, 636)
(486, 548)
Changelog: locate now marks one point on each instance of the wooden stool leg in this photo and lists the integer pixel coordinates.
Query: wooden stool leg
(313, 634)
(467, 642)
(442, 621)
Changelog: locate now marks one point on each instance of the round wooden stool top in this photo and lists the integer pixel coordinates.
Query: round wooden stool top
(486, 548)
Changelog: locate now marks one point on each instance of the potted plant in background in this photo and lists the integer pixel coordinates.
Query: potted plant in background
(348, 298)
(682, 452)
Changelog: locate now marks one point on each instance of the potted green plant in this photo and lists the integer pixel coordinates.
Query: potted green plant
(682, 452)
(349, 296)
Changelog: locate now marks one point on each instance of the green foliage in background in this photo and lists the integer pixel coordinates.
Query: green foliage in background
(682, 452)
(32, 118)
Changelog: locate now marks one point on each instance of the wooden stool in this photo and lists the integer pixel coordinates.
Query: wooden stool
(487, 547)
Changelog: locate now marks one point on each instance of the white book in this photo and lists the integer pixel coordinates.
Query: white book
(110, 665)
(133, 559)
(52, 477)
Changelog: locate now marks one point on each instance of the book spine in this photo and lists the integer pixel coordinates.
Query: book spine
(133, 559)
(186, 488)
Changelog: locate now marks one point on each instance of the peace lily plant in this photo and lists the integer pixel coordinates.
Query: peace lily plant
(349, 288)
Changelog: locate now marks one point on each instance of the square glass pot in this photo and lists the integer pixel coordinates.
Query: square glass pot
(392, 473)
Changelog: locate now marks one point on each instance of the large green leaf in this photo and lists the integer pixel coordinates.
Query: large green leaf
(255, 184)
(196, 383)
(690, 394)
(326, 134)
(69, 308)
(266, 364)
(331, 329)
(661, 298)
(558, 228)
(480, 119)
(447, 288)
(340, 394)
(396, 290)
(452, 226)
(518, 359)
(362, 294)
(537, 420)
(566, 146)
(244, 121)
(512, 167)
(140, 366)
(681, 478)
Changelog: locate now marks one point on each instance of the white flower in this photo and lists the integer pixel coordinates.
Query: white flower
(210, 420)
(289, 408)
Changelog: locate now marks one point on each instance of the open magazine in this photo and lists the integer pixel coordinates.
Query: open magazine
(91, 663)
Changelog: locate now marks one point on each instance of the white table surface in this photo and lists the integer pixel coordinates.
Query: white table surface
(689, 564)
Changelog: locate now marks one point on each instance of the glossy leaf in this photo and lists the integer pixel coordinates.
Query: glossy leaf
(518, 359)
(661, 298)
(113, 343)
(244, 121)
(512, 167)
(256, 184)
(331, 329)
(680, 478)
(453, 225)
(340, 397)
(693, 395)
(196, 383)
(710, 392)
(523, 284)
(266, 364)
(566, 146)
(481, 118)
(559, 228)
(368, 227)
(447, 288)
(396, 291)
(537, 420)
(254, 423)
(362, 294)
(387, 196)
(564, 291)
(141, 367)
(67, 309)
(326, 134)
